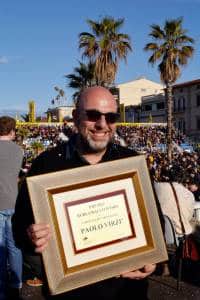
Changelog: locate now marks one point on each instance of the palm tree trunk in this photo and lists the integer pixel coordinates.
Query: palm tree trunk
(169, 121)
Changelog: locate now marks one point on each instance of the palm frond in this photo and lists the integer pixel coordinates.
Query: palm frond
(105, 47)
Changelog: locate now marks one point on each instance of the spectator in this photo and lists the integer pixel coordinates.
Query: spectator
(193, 186)
(168, 203)
(10, 162)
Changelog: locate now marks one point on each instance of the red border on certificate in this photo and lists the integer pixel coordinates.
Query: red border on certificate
(94, 227)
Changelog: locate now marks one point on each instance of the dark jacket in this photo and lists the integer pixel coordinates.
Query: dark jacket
(59, 158)
(65, 157)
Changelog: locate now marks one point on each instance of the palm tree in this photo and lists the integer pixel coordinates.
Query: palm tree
(82, 77)
(25, 117)
(104, 47)
(60, 96)
(172, 48)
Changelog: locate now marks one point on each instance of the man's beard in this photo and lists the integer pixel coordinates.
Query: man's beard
(91, 146)
(97, 146)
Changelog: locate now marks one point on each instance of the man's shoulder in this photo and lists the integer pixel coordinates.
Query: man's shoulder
(54, 152)
(18, 148)
(121, 151)
(11, 146)
(48, 161)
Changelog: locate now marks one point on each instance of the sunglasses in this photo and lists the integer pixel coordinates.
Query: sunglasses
(94, 115)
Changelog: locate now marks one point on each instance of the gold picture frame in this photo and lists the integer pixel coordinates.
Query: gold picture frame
(103, 219)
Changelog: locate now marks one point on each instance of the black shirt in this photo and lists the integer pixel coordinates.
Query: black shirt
(63, 157)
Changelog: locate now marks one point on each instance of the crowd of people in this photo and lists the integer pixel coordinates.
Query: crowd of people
(149, 137)
(138, 138)
(94, 138)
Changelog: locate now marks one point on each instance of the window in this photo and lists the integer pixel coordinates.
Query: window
(181, 125)
(143, 90)
(147, 107)
(198, 100)
(179, 104)
(160, 105)
(175, 124)
(198, 123)
(183, 103)
(174, 104)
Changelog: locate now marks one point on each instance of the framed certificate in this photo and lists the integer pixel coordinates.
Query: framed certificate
(103, 219)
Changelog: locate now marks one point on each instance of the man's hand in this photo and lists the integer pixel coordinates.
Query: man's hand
(39, 235)
(141, 273)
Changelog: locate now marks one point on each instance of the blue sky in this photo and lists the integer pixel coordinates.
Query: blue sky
(39, 43)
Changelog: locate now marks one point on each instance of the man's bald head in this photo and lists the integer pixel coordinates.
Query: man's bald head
(95, 92)
(95, 118)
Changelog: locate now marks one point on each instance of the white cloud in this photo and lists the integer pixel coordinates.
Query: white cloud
(3, 60)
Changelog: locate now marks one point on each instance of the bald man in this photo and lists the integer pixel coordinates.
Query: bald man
(95, 118)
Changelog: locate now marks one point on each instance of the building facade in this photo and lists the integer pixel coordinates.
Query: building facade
(153, 109)
(58, 114)
(131, 94)
(186, 108)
